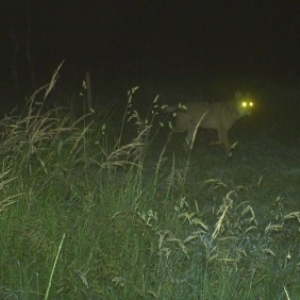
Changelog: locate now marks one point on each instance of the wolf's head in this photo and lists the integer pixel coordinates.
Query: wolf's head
(244, 103)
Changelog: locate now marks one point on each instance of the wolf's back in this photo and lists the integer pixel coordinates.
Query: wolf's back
(171, 108)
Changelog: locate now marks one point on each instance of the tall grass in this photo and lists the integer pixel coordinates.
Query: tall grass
(86, 214)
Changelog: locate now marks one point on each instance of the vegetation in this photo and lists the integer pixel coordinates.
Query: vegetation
(90, 210)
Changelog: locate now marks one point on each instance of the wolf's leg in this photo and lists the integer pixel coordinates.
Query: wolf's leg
(218, 142)
(223, 139)
(223, 136)
(190, 137)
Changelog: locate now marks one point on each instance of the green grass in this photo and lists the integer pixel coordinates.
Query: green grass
(89, 211)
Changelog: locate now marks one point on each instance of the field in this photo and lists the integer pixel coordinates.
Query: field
(96, 207)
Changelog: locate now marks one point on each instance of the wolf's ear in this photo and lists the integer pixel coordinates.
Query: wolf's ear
(238, 94)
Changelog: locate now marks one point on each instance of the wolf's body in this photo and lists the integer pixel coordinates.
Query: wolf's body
(220, 116)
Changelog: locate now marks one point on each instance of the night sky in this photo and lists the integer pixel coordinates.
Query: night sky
(122, 40)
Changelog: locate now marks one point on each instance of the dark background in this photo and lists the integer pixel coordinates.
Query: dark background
(130, 42)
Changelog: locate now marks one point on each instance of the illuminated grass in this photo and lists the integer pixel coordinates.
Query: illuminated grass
(96, 214)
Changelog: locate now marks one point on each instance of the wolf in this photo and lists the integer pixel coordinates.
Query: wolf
(220, 116)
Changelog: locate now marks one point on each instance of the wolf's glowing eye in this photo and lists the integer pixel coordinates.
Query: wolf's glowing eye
(247, 104)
